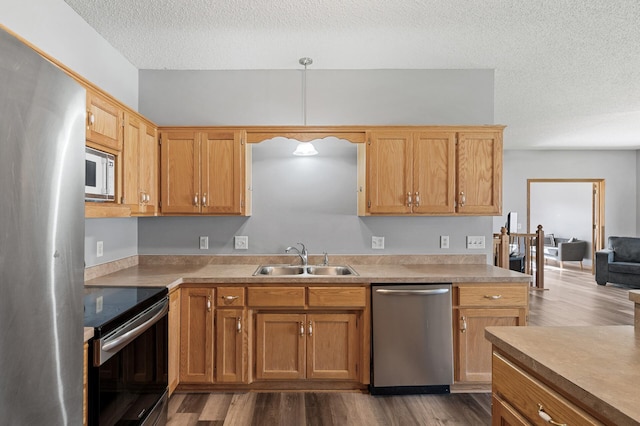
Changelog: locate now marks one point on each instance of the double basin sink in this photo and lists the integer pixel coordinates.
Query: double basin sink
(304, 270)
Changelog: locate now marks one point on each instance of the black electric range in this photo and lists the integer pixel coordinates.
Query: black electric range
(108, 307)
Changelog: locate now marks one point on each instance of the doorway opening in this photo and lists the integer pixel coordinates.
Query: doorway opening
(592, 190)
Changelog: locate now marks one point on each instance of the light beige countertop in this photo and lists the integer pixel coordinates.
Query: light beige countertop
(170, 271)
(597, 366)
(634, 296)
(88, 333)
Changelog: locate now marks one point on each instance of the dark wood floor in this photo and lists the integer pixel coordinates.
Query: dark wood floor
(572, 298)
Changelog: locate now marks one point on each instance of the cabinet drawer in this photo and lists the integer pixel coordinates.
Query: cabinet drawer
(337, 296)
(527, 394)
(230, 296)
(492, 295)
(276, 296)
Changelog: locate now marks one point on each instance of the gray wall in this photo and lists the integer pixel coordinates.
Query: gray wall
(617, 168)
(564, 209)
(312, 200)
(119, 238)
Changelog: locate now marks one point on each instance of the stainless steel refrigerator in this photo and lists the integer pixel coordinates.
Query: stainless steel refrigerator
(42, 135)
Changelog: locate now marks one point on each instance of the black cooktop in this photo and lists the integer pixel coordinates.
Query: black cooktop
(106, 308)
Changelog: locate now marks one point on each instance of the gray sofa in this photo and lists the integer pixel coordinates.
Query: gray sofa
(620, 262)
(564, 249)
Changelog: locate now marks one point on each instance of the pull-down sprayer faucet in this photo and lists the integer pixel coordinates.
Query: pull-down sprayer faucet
(304, 256)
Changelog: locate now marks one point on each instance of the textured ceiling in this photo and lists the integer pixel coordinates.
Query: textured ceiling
(567, 72)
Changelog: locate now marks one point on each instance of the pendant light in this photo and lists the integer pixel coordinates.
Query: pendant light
(305, 148)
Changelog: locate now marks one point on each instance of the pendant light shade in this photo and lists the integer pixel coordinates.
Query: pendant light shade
(305, 149)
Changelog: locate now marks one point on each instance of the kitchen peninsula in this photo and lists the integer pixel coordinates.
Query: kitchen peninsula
(218, 300)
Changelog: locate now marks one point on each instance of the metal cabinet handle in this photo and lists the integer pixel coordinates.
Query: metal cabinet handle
(417, 199)
(195, 200)
(208, 303)
(91, 118)
(239, 325)
(310, 328)
(204, 200)
(409, 200)
(547, 418)
(464, 325)
(301, 328)
(463, 198)
(493, 297)
(229, 299)
(147, 198)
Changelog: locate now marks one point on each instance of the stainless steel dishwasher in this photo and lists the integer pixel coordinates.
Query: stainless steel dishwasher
(412, 338)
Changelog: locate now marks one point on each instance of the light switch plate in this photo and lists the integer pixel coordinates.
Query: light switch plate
(241, 242)
(377, 243)
(475, 242)
(99, 249)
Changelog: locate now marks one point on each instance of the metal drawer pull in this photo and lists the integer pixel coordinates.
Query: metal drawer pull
(301, 328)
(229, 299)
(494, 297)
(239, 325)
(208, 303)
(464, 325)
(310, 328)
(547, 418)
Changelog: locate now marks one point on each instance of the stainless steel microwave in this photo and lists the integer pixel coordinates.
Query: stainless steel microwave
(99, 184)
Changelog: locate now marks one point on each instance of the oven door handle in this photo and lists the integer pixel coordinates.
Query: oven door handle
(117, 343)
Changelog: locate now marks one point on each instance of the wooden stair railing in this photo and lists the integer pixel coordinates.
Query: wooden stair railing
(532, 246)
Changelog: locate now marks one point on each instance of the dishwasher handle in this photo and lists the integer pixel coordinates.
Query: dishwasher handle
(429, 292)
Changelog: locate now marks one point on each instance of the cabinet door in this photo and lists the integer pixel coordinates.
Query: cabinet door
(389, 173)
(180, 172)
(479, 179)
(434, 172)
(280, 346)
(196, 335)
(148, 169)
(130, 158)
(104, 121)
(222, 174)
(474, 351)
(503, 414)
(332, 350)
(174, 340)
(230, 348)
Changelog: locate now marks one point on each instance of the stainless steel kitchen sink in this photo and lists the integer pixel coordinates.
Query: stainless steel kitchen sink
(304, 270)
(331, 270)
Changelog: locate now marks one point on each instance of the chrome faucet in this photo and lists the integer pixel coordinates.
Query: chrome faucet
(304, 256)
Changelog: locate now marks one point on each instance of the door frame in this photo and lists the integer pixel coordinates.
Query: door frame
(597, 211)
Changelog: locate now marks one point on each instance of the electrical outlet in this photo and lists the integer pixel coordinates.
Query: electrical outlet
(377, 243)
(204, 243)
(99, 249)
(475, 242)
(444, 241)
(241, 242)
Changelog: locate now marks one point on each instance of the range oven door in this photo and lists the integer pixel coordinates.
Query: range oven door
(128, 378)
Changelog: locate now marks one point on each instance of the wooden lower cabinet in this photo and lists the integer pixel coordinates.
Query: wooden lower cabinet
(174, 340)
(196, 335)
(307, 346)
(521, 398)
(231, 352)
(477, 306)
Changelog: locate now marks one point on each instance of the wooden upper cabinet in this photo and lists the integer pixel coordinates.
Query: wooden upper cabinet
(411, 173)
(180, 172)
(222, 172)
(434, 172)
(431, 171)
(203, 172)
(104, 121)
(140, 158)
(389, 176)
(479, 176)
